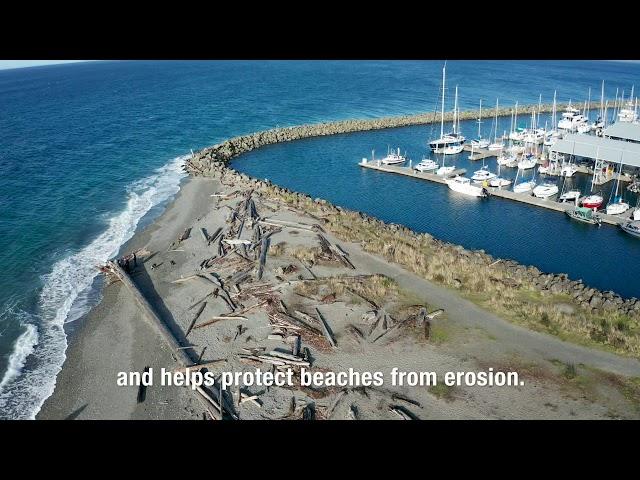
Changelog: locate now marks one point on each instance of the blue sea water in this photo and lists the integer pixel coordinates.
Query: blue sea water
(91, 152)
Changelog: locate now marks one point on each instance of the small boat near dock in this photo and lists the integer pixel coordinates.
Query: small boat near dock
(631, 227)
(463, 185)
(585, 215)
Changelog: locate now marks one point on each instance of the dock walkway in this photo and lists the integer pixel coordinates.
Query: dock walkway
(495, 191)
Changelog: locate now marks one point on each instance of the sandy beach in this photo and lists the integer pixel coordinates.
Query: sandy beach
(372, 311)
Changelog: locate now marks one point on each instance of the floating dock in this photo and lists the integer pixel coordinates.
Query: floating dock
(495, 191)
(480, 153)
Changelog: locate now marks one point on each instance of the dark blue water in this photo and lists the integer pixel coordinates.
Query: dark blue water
(91, 152)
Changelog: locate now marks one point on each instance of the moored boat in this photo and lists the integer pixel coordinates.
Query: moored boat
(426, 165)
(585, 215)
(545, 190)
(631, 227)
(570, 196)
(482, 175)
(393, 158)
(500, 182)
(524, 187)
(463, 185)
(617, 207)
(592, 201)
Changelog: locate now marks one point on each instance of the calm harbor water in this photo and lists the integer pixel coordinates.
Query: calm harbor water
(91, 152)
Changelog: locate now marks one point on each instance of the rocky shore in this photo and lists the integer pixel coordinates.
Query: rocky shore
(601, 317)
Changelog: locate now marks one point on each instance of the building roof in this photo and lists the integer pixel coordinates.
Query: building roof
(590, 146)
(624, 130)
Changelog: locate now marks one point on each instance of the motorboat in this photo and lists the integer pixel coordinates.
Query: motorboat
(592, 201)
(585, 215)
(571, 119)
(496, 146)
(393, 158)
(524, 187)
(631, 227)
(568, 169)
(463, 185)
(444, 171)
(527, 163)
(482, 175)
(545, 190)
(426, 165)
(617, 207)
(570, 196)
(500, 182)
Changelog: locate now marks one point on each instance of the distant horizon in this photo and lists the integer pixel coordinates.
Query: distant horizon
(13, 64)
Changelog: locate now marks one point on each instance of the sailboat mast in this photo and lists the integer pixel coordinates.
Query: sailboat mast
(554, 110)
(602, 101)
(480, 121)
(495, 137)
(442, 111)
(588, 106)
(455, 112)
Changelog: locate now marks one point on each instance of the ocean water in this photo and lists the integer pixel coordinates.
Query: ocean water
(91, 152)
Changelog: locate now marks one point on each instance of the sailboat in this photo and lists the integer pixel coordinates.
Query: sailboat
(525, 186)
(451, 143)
(496, 145)
(445, 171)
(480, 142)
(552, 135)
(618, 206)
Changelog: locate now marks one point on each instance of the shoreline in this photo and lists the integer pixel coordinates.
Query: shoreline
(127, 336)
(68, 396)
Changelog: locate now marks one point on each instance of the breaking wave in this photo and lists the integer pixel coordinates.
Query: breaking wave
(39, 352)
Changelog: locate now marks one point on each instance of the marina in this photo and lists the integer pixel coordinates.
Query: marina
(494, 191)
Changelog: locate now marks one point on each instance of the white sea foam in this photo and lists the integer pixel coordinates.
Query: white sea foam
(23, 393)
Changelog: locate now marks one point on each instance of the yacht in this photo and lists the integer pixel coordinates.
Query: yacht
(463, 185)
(535, 137)
(426, 165)
(571, 119)
(545, 190)
(451, 149)
(393, 158)
(496, 146)
(482, 175)
(524, 187)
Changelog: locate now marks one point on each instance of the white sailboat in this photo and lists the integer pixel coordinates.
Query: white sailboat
(450, 143)
(496, 145)
(527, 162)
(483, 175)
(618, 205)
(480, 142)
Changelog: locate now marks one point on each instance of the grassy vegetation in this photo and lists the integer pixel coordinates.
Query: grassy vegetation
(490, 285)
(443, 392)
